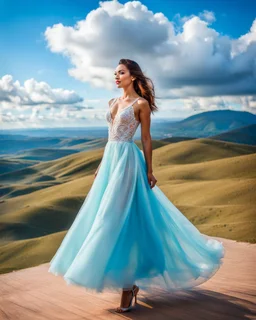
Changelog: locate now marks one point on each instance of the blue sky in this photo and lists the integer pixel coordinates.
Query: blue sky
(24, 53)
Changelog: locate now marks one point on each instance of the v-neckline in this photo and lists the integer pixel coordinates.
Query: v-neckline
(113, 120)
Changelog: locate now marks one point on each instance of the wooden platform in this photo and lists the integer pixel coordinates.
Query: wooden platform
(36, 294)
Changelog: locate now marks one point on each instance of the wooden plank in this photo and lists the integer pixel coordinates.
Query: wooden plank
(230, 294)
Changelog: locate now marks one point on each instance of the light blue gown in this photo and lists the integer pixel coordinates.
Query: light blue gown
(126, 233)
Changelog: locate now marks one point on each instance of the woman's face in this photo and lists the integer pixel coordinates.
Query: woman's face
(122, 76)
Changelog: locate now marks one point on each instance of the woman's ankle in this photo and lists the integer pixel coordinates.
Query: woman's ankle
(128, 288)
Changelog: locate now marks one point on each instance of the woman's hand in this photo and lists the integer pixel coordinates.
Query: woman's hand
(151, 180)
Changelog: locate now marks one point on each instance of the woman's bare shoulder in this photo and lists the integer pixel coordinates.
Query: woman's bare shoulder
(143, 104)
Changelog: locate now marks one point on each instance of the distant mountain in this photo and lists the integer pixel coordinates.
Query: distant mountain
(11, 144)
(245, 135)
(202, 125)
(218, 120)
(43, 154)
(209, 123)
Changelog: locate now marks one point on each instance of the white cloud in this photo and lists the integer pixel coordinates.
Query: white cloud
(113, 30)
(193, 66)
(196, 61)
(245, 46)
(181, 108)
(59, 117)
(245, 103)
(36, 103)
(33, 93)
(207, 16)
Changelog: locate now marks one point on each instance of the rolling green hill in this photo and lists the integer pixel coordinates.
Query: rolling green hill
(199, 150)
(9, 165)
(245, 135)
(43, 154)
(212, 182)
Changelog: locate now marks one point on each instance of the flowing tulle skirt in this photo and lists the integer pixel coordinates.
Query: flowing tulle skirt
(126, 233)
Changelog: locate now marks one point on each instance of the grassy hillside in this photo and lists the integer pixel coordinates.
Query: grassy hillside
(199, 150)
(246, 135)
(52, 172)
(89, 145)
(29, 253)
(9, 165)
(17, 143)
(43, 154)
(155, 144)
(211, 182)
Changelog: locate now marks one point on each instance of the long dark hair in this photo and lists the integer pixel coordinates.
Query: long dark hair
(142, 84)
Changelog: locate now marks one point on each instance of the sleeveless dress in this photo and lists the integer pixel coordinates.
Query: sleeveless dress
(126, 233)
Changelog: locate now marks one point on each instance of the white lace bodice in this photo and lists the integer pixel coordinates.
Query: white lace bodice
(124, 126)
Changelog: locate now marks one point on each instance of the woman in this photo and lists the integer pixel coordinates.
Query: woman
(127, 230)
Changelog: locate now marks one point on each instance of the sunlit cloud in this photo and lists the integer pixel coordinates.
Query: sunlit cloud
(34, 93)
(196, 61)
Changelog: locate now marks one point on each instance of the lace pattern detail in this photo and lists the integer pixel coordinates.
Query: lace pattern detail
(124, 125)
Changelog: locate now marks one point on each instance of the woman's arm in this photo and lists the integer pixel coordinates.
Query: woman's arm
(145, 113)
